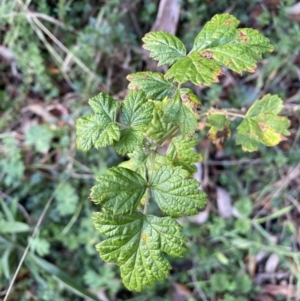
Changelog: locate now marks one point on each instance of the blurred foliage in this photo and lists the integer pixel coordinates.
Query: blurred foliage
(46, 76)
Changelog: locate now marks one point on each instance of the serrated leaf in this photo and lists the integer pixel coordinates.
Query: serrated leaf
(176, 195)
(159, 126)
(99, 129)
(218, 31)
(164, 47)
(120, 190)
(236, 49)
(181, 153)
(219, 126)
(140, 160)
(154, 85)
(181, 114)
(189, 97)
(262, 124)
(136, 243)
(196, 69)
(137, 162)
(136, 114)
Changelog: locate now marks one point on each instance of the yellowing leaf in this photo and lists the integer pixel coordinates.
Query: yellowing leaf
(164, 47)
(262, 124)
(236, 49)
(137, 243)
(219, 126)
(182, 114)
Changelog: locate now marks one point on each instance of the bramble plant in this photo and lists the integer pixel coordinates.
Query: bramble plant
(158, 112)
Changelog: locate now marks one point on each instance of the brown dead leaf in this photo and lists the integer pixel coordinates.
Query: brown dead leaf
(181, 292)
(40, 111)
(265, 297)
(285, 290)
(271, 3)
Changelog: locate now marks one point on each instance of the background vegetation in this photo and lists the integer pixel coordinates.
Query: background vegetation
(56, 54)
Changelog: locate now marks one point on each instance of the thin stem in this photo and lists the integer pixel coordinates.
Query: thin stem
(222, 112)
(167, 135)
(150, 175)
(26, 250)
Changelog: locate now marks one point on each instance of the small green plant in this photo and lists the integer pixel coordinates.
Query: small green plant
(159, 119)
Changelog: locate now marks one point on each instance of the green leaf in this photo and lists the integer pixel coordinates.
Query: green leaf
(220, 282)
(66, 199)
(154, 85)
(219, 126)
(236, 49)
(69, 281)
(218, 31)
(136, 243)
(99, 129)
(136, 114)
(181, 152)
(39, 245)
(40, 137)
(13, 227)
(196, 69)
(159, 126)
(176, 195)
(181, 114)
(262, 124)
(137, 162)
(120, 190)
(164, 47)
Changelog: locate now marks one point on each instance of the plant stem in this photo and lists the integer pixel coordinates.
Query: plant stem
(150, 175)
(223, 112)
(167, 135)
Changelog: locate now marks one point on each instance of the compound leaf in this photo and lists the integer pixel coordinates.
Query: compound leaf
(136, 243)
(120, 190)
(181, 152)
(164, 47)
(98, 129)
(174, 194)
(182, 114)
(136, 113)
(219, 126)
(154, 85)
(236, 49)
(262, 124)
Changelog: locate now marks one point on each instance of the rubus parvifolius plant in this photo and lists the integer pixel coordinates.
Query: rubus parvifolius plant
(159, 112)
